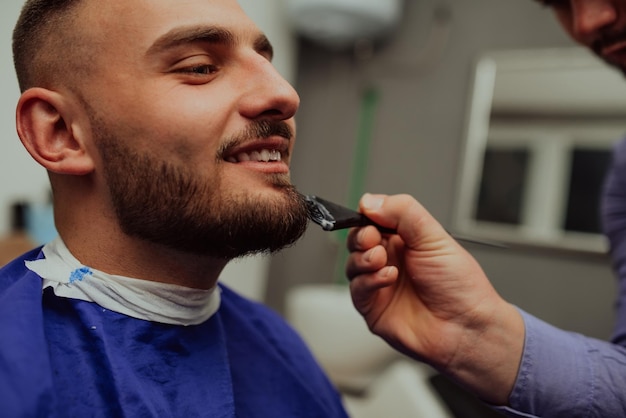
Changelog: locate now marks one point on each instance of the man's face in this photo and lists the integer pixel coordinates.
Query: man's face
(193, 126)
(597, 24)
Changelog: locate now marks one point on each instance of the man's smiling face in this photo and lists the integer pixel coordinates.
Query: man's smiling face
(193, 125)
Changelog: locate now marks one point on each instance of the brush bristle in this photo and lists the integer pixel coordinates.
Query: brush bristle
(319, 214)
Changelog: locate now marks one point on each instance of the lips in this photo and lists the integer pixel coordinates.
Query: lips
(613, 49)
(263, 155)
(269, 150)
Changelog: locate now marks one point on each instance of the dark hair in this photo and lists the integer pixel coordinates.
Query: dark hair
(42, 35)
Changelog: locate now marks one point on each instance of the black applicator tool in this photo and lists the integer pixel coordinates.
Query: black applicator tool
(331, 217)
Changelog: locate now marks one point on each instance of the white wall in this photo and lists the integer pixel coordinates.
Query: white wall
(271, 17)
(20, 176)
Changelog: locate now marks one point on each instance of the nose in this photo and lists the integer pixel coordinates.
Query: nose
(591, 17)
(266, 93)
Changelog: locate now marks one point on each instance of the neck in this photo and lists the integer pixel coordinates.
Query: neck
(119, 254)
(98, 242)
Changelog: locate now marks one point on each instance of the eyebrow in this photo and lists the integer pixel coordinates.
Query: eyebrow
(206, 34)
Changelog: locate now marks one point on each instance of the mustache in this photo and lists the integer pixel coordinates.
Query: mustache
(263, 128)
(606, 39)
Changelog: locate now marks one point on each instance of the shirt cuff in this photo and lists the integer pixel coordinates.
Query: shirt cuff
(555, 375)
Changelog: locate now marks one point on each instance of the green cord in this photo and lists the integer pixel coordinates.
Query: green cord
(369, 104)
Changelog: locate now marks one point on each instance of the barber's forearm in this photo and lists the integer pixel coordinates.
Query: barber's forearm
(488, 359)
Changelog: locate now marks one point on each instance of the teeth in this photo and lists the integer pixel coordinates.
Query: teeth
(264, 155)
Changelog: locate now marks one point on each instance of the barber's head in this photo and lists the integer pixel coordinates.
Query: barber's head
(169, 114)
(597, 24)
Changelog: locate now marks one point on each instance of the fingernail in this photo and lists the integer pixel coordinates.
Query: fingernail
(371, 202)
(360, 236)
(369, 254)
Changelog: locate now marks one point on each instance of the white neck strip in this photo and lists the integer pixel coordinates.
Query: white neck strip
(142, 299)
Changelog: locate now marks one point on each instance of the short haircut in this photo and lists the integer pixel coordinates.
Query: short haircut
(43, 38)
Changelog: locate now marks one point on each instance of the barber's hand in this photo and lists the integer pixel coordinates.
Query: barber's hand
(428, 298)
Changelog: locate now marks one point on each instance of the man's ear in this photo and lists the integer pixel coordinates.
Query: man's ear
(44, 122)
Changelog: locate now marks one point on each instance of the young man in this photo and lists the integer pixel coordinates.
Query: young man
(428, 297)
(167, 135)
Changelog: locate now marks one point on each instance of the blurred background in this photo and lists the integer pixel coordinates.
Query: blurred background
(391, 109)
(418, 138)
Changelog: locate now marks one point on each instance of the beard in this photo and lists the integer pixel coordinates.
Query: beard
(170, 204)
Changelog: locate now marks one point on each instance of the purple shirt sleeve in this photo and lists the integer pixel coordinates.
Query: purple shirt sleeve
(613, 215)
(565, 374)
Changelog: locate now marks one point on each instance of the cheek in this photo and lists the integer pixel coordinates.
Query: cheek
(191, 124)
(180, 108)
(177, 130)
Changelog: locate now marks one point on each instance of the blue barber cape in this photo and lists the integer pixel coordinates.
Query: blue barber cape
(69, 358)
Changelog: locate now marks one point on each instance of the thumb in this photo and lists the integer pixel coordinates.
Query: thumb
(406, 215)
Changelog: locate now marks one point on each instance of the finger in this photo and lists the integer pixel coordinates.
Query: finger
(364, 262)
(364, 286)
(362, 239)
(413, 222)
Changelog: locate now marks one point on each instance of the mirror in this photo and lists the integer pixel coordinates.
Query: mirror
(541, 127)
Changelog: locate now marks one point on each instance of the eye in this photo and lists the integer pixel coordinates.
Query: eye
(203, 69)
(196, 71)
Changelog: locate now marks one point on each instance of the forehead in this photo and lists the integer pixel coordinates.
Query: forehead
(140, 23)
